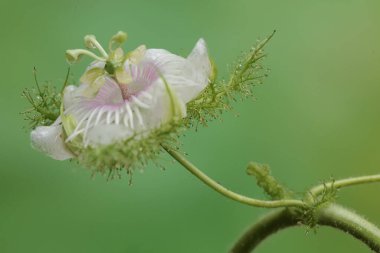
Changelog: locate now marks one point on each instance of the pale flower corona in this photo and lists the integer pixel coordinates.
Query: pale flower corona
(122, 96)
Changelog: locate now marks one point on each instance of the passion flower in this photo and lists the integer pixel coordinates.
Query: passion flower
(126, 105)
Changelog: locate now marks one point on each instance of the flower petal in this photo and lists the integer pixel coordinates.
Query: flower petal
(49, 140)
(188, 77)
(200, 61)
(107, 118)
(104, 134)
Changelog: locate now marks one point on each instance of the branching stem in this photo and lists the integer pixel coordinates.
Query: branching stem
(292, 212)
(319, 189)
(230, 194)
(331, 215)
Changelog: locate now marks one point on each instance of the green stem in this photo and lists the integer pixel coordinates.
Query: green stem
(266, 226)
(66, 81)
(341, 218)
(230, 194)
(331, 215)
(317, 190)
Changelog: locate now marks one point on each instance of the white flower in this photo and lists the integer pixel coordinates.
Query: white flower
(122, 95)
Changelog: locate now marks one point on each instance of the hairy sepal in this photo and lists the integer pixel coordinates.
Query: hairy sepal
(219, 94)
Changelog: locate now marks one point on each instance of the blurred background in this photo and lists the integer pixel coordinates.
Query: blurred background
(316, 117)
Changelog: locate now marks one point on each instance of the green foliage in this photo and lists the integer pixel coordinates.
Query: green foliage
(267, 182)
(45, 103)
(327, 195)
(132, 153)
(217, 97)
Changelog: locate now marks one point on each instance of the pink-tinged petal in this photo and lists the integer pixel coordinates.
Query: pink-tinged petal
(109, 95)
(143, 76)
(152, 91)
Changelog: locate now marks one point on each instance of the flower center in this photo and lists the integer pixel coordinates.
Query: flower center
(124, 91)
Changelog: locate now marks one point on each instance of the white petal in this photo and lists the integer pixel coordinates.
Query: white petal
(161, 106)
(72, 94)
(48, 139)
(199, 59)
(96, 64)
(104, 134)
(188, 77)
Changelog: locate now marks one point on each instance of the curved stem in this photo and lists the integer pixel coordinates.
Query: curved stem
(317, 190)
(230, 194)
(266, 226)
(331, 215)
(341, 218)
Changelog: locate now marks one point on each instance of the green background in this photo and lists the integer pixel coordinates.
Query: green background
(316, 117)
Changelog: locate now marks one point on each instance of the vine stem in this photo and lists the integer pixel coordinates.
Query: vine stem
(230, 194)
(341, 218)
(263, 228)
(291, 214)
(319, 189)
(332, 215)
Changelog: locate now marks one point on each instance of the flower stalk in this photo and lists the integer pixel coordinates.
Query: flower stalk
(228, 193)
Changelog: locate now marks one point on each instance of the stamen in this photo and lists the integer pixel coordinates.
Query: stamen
(74, 55)
(91, 42)
(118, 39)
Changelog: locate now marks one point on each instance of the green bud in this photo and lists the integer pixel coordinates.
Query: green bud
(267, 182)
